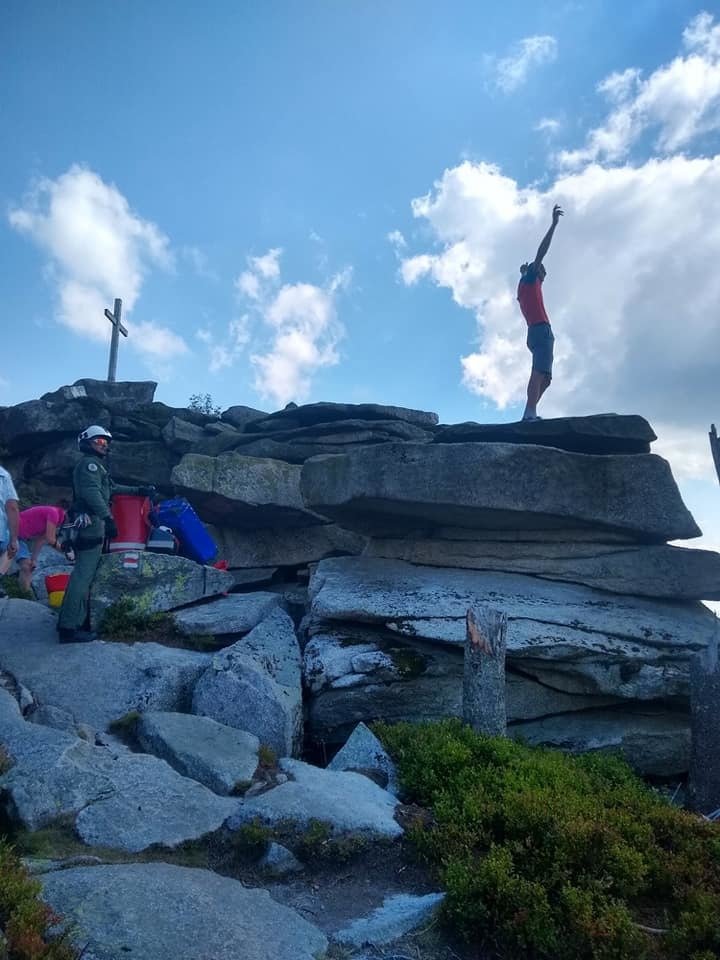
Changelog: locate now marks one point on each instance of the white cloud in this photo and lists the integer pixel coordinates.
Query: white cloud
(298, 327)
(98, 249)
(512, 71)
(225, 353)
(680, 101)
(632, 288)
(548, 125)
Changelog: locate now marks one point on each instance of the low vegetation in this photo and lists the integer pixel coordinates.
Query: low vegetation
(24, 919)
(552, 857)
(123, 622)
(12, 588)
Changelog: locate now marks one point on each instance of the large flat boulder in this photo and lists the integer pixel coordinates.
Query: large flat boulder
(276, 547)
(128, 394)
(602, 433)
(244, 491)
(310, 414)
(590, 642)
(158, 911)
(94, 683)
(236, 614)
(653, 570)
(392, 489)
(153, 582)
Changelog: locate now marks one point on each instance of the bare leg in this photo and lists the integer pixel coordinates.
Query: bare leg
(25, 575)
(536, 386)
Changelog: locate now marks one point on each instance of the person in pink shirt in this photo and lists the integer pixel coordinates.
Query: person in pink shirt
(38, 525)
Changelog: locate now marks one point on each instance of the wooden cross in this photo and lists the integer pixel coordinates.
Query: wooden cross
(117, 329)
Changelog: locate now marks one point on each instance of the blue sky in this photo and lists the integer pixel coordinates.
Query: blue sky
(330, 200)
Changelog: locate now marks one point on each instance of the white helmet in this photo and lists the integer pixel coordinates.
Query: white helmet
(90, 434)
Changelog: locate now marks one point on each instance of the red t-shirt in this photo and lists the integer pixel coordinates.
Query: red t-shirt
(530, 298)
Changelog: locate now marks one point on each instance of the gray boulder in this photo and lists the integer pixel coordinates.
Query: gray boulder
(347, 802)
(36, 423)
(158, 911)
(94, 683)
(144, 462)
(673, 573)
(315, 413)
(238, 613)
(180, 435)
(239, 416)
(254, 685)
(243, 491)
(364, 753)
(602, 433)
(410, 489)
(222, 758)
(153, 582)
(128, 394)
(399, 914)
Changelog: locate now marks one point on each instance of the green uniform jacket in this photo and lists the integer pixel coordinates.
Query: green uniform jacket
(92, 489)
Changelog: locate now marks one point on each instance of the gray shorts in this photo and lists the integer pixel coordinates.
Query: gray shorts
(540, 342)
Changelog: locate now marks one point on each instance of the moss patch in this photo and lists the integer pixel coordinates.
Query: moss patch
(126, 622)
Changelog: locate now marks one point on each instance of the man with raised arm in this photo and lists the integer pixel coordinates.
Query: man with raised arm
(540, 339)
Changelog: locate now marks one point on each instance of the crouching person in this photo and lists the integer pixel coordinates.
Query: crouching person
(93, 488)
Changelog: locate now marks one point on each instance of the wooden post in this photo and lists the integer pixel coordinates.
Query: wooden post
(117, 329)
(715, 449)
(484, 671)
(704, 715)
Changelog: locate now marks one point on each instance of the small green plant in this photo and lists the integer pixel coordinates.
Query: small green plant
(123, 622)
(12, 588)
(126, 724)
(317, 844)
(24, 918)
(203, 403)
(558, 857)
(251, 840)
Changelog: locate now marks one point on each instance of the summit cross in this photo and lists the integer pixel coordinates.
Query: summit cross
(117, 329)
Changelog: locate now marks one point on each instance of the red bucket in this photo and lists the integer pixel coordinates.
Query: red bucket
(56, 584)
(131, 518)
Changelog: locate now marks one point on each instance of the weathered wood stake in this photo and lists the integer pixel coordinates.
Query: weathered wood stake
(715, 449)
(484, 671)
(705, 744)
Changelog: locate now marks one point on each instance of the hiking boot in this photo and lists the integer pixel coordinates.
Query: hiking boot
(68, 635)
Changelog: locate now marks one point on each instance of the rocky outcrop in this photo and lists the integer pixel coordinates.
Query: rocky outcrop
(394, 489)
(255, 685)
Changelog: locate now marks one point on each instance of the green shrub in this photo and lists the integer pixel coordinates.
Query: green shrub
(552, 856)
(24, 917)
